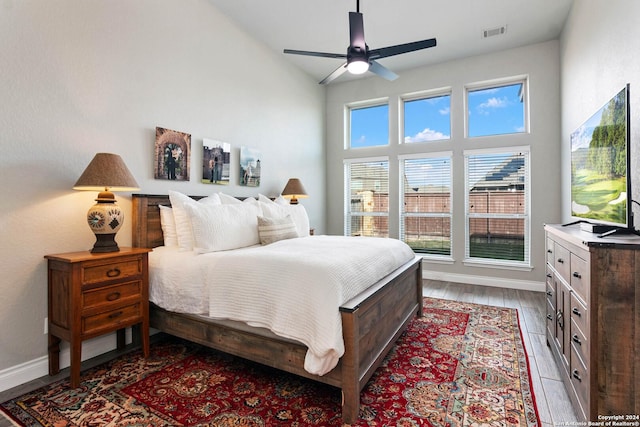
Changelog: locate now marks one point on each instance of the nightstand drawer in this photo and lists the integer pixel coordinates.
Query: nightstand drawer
(111, 294)
(112, 320)
(131, 267)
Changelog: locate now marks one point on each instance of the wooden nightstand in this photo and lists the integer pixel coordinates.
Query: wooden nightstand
(94, 294)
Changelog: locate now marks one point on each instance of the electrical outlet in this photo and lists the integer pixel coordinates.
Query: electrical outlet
(46, 325)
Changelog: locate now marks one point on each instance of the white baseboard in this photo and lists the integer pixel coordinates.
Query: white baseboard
(36, 368)
(498, 282)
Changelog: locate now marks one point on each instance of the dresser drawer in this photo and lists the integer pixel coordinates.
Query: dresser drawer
(111, 294)
(550, 291)
(580, 381)
(579, 276)
(562, 261)
(579, 343)
(112, 320)
(94, 273)
(550, 251)
(579, 314)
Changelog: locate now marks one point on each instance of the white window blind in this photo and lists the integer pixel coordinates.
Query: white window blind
(367, 197)
(425, 216)
(497, 206)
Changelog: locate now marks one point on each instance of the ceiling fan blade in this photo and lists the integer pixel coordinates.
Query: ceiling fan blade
(377, 68)
(356, 31)
(320, 54)
(401, 48)
(336, 73)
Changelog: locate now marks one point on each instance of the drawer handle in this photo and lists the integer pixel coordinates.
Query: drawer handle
(577, 275)
(115, 315)
(550, 317)
(113, 296)
(560, 260)
(575, 374)
(114, 272)
(576, 311)
(576, 339)
(549, 293)
(549, 251)
(549, 275)
(560, 319)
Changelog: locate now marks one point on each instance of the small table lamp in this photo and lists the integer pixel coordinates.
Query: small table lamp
(106, 172)
(293, 190)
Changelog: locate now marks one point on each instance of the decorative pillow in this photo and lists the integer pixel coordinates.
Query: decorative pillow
(179, 202)
(168, 224)
(273, 229)
(280, 208)
(224, 227)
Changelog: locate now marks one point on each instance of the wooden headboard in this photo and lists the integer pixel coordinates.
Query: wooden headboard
(147, 230)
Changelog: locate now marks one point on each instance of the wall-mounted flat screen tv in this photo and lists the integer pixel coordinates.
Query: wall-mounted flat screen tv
(600, 185)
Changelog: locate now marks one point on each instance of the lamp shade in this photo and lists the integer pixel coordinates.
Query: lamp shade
(106, 172)
(293, 190)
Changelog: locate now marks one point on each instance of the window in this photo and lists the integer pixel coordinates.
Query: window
(369, 126)
(496, 110)
(367, 201)
(497, 206)
(425, 217)
(427, 119)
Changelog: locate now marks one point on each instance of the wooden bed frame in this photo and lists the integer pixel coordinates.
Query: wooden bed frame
(371, 321)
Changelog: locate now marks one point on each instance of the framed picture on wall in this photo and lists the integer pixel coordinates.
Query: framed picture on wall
(172, 155)
(216, 156)
(249, 167)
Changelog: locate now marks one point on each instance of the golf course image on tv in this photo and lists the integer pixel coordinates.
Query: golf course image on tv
(599, 165)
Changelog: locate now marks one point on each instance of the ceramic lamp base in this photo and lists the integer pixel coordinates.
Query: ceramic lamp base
(105, 219)
(105, 243)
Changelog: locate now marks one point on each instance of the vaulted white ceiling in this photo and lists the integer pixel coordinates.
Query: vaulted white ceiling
(458, 25)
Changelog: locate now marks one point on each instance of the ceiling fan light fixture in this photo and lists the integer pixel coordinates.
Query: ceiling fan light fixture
(358, 66)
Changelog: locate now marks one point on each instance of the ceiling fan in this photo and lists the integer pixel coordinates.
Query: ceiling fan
(359, 58)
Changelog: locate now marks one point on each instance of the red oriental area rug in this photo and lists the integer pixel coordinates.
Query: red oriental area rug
(460, 365)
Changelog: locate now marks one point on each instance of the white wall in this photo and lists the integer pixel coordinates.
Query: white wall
(540, 63)
(599, 53)
(84, 76)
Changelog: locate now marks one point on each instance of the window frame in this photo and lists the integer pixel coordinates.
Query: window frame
(378, 102)
(416, 96)
(348, 214)
(497, 83)
(403, 214)
(491, 262)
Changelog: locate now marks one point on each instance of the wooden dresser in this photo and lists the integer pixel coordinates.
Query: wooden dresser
(593, 319)
(94, 294)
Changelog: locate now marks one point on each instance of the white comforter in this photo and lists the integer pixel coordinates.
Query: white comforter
(292, 287)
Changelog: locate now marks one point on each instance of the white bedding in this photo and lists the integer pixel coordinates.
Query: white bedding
(292, 287)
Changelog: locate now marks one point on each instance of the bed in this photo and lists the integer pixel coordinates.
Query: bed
(371, 321)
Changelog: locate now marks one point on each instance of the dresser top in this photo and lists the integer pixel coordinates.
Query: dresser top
(579, 237)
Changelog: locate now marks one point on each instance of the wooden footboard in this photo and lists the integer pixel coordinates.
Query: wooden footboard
(371, 322)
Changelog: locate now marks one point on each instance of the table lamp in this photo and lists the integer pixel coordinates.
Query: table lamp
(293, 190)
(106, 173)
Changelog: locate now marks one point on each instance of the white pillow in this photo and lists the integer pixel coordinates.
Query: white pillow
(280, 208)
(224, 227)
(227, 199)
(271, 230)
(179, 202)
(168, 224)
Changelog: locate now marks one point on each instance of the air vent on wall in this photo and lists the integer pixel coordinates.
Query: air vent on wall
(491, 32)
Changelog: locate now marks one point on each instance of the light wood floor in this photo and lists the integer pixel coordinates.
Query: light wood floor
(553, 403)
